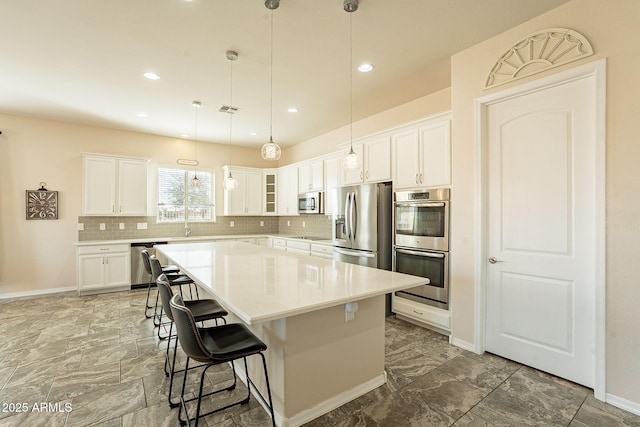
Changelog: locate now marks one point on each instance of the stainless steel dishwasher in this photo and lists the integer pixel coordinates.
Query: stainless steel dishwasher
(139, 275)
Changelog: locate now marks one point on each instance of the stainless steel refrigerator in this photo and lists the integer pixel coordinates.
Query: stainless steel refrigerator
(362, 226)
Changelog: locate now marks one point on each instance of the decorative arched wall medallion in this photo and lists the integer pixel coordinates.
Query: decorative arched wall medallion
(539, 52)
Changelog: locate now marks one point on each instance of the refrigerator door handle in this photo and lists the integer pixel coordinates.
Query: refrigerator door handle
(354, 215)
(346, 216)
(355, 253)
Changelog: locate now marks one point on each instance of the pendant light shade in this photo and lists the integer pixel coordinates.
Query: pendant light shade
(271, 150)
(351, 160)
(230, 183)
(195, 182)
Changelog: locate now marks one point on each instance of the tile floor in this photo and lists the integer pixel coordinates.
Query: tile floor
(98, 356)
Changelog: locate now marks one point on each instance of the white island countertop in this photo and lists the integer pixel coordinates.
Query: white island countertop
(260, 284)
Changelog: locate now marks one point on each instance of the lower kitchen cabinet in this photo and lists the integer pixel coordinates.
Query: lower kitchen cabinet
(103, 268)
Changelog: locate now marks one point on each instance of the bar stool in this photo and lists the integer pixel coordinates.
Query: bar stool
(167, 269)
(202, 309)
(213, 346)
(174, 280)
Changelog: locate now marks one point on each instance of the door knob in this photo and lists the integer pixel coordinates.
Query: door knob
(493, 260)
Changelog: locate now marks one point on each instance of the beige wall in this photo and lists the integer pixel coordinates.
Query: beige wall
(39, 255)
(610, 26)
(328, 142)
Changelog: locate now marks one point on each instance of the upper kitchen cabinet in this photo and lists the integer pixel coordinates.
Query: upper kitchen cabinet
(288, 191)
(311, 176)
(270, 193)
(114, 185)
(375, 162)
(246, 199)
(422, 154)
(332, 168)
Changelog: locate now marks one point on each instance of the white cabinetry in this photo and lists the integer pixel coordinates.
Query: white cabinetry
(422, 154)
(246, 199)
(299, 247)
(322, 251)
(269, 196)
(114, 186)
(332, 168)
(375, 162)
(288, 191)
(311, 177)
(103, 268)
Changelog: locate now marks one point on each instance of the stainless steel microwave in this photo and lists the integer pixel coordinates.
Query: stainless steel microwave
(311, 203)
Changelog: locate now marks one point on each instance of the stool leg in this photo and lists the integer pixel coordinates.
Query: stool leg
(183, 404)
(147, 307)
(266, 378)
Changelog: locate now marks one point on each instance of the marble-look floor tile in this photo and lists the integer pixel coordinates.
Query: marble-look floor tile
(141, 366)
(42, 369)
(107, 403)
(107, 353)
(443, 393)
(41, 414)
(159, 415)
(25, 395)
(394, 411)
(95, 377)
(475, 371)
(594, 413)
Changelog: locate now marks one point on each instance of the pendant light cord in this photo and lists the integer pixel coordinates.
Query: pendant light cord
(271, 84)
(231, 104)
(351, 81)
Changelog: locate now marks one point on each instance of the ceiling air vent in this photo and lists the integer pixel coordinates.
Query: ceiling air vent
(228, 109)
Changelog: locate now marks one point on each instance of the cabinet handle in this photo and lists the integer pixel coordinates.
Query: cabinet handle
(418, 312)
(417, 181)
(361, 177)
(120, 208)
(367, 175)
(420, 177)
(113, 208)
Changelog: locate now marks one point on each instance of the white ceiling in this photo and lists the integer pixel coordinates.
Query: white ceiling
(82, 60)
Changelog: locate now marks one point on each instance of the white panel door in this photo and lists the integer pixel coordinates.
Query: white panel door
(540, 301)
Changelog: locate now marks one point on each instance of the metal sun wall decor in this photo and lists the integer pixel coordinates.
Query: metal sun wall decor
(42, 203)
(539, 52)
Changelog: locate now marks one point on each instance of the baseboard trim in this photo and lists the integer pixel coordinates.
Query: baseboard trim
(327, 406)
(625, 404)
(462, 344)
(38, 292)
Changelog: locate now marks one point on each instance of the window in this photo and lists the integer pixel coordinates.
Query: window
(178, 200)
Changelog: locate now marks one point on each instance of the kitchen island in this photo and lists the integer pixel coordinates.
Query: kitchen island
(322, 320)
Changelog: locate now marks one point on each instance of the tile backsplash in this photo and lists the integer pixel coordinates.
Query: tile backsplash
(133, 227)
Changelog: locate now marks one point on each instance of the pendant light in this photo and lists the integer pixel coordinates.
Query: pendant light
(230, 183)
(195, 182)
(351, 160)
(271, 150)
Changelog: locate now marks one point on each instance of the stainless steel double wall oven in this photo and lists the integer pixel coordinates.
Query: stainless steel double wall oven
(421, 243)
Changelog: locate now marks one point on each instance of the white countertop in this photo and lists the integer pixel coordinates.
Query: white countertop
(259, 284)
(200, 238)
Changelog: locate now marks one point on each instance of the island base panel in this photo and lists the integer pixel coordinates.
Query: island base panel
(318, 361)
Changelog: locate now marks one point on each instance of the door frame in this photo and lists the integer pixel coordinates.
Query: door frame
(597, 70)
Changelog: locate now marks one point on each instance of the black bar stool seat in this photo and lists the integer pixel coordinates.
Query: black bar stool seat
(213, 346)
(166, 269)
(204, 309)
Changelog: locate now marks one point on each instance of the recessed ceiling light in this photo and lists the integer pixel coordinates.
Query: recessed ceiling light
(151, 76)
(365, 68)
(142, 115)
(253, 133)
(292, 110)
